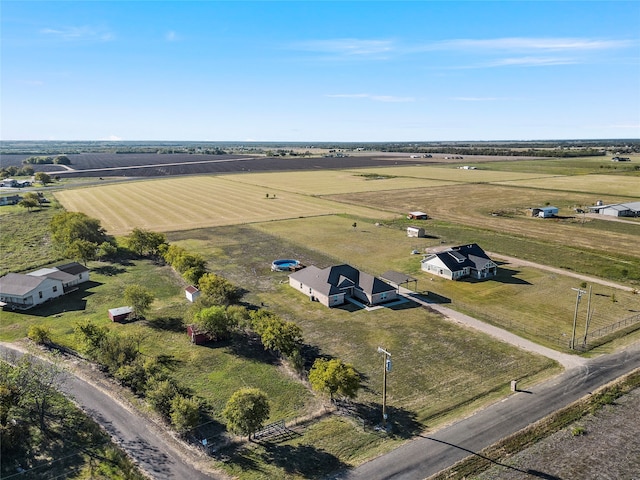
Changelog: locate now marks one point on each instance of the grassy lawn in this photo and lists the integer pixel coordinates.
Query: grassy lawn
(623, 186)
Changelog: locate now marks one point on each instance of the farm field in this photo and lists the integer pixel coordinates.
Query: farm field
(566, 166)
(192, 202)
(473, 205)
(624, 186)
(327, 182)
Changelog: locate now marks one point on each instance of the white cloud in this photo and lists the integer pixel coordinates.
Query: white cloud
(531, 62)
(375, 98)
(79, 33)
(112, 138)
(348, 46)
(522, 44)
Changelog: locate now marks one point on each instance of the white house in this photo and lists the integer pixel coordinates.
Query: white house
(631, 209)
(460, 262)
(20, 291)
(331, 286)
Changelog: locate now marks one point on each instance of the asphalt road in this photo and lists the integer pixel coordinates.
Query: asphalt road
(430, 454)
(140, 439)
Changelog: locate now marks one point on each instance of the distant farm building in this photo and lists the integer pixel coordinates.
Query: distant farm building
(334, 286)
(544, 212)
(120, 314)
(20, 291)
(631, 209)
(460, 262)
(620, 159)
(417, 232)
(10, 199)
(417, 216)
(192, 293)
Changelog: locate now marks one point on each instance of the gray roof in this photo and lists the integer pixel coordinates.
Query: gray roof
(333, 280)
(457, 258)
(57, 274)
(19, 284)
(73, 268)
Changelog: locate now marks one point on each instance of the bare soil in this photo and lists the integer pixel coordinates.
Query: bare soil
(608, 448)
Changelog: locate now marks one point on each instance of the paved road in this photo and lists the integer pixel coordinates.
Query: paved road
(431, 453)
(149, 447)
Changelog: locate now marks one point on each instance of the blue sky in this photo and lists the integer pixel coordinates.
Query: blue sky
(320, 71)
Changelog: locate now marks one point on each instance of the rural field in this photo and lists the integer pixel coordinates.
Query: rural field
(240, 223)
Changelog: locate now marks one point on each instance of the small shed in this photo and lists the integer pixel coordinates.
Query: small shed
(417, 232)
(547, 212)
(417, 216)
(120, 314)
(197, 336)
(192, 293)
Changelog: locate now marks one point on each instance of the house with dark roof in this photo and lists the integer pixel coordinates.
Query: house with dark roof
(460, 262)
(24, 291)
(332, 286)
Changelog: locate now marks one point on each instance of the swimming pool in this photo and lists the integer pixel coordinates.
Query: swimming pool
(284, 264)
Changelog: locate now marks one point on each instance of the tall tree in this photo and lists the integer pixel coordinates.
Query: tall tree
(185, 413)
(69, 226)
(216, 321)
(145, 242)
(334, 377)
(139, 298)
(246, 411)
(82, 250)
(43, 178)
(220, 290)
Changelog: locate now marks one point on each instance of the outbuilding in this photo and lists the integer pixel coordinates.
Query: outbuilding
(417, 215)
(417, 232)
(544, 212)
(192, 293)
(120, 314)
(197, 336)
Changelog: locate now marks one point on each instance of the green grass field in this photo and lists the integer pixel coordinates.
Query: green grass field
(623, 186)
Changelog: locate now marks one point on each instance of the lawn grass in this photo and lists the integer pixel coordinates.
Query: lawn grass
(623, 186)
(182, 203)
(25, 239)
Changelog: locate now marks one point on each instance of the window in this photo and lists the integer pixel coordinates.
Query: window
(40, 294)
(55, 288)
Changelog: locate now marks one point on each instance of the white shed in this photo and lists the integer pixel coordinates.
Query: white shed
(192, 293)
(415, 232)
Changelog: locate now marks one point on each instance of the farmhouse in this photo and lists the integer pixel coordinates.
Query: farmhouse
(333, 286)
(20, 291)
(460, 262)
(10, 199)
(617, 209)
(417, 216)
(417, 232)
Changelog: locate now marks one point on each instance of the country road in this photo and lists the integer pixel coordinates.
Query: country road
(431, 453)
(158, 456)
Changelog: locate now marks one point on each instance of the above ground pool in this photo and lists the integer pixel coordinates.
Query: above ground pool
(284, 265)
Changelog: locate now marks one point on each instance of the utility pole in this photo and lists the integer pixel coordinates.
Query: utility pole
(575, 316)
(386, 368)
(588, 320)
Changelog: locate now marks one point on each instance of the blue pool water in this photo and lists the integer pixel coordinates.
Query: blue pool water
(284, 264)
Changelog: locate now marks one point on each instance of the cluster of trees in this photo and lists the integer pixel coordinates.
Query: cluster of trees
(81, 237)
(43, 160)
(31, 200)
(148, 377)
(191, 266)
(12, 171)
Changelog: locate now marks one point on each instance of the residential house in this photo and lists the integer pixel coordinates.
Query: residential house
(459, 262)
(332, 286)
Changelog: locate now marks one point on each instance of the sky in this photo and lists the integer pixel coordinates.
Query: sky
(326, 71)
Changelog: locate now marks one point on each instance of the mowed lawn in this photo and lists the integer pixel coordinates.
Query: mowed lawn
(329, 182)
(622, 185)
(194, 202)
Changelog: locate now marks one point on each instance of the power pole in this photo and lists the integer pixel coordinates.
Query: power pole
(588, 320)
(575, 316)
(386, 368)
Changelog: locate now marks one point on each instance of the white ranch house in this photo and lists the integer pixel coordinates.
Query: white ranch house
(459, 262)
(332, 286)
(23, 291)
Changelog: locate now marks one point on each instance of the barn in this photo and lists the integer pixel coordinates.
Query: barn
(120, 314)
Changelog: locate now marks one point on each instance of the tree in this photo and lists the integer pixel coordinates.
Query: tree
(276, 334)
(334, 376)
(185, 413)
(106, 251)
(82, 250)
(43, 178)
(246, 411)
(69, 226)
(139, 298)
(160, 394)
(29, 203)
(215, 321)
(40, 334)
(220, 290)
(145, 242)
